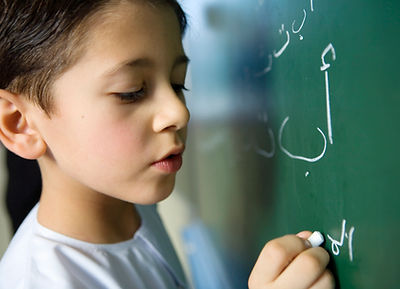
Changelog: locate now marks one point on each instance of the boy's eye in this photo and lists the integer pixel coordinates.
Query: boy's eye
(132, 96)
(136, 96)
(179, 88)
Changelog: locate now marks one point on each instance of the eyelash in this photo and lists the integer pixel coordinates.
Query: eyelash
(133, 96)
(136, 96)
(179, 88)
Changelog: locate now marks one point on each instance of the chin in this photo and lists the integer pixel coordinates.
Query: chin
(156, 194)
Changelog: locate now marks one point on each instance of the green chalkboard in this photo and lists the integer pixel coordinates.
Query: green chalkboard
(296, 125)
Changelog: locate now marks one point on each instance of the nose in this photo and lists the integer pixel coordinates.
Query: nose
(171, 112)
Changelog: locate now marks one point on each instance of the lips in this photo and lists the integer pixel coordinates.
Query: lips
(172, 161)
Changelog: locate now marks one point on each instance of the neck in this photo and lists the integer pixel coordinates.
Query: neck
(81, 213)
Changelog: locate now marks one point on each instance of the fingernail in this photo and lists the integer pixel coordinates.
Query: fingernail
(303, 234)
(307, 243)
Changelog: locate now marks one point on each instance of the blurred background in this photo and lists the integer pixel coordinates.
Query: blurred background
(5, 224)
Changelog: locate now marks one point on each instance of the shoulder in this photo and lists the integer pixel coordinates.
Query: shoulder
(14, 264)
(35, 260)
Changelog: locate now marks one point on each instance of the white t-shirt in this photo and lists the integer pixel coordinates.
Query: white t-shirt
(38, 258)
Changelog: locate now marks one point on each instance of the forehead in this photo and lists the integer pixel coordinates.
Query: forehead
(134, 30)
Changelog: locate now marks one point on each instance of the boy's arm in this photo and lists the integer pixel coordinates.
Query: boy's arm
(290, 262)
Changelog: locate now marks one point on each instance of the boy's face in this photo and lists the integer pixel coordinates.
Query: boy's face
(120, 109)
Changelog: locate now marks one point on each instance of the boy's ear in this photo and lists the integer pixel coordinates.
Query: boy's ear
(16, 132)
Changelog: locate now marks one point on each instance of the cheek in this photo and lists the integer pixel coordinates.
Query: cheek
(99, 150)
(116, 141)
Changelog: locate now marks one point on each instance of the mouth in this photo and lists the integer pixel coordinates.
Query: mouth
(171, 162)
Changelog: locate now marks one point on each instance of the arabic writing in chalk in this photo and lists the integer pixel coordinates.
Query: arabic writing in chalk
(329, 50)
(297, 157)
(286, 41)
(325, 66)
(295, 31)
(285, 45)
(263, 152)
(336, 245)
(261, 3)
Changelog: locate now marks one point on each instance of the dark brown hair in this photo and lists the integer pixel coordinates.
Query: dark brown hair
(40, 39)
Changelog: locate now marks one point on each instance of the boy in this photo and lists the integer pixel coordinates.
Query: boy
(93, 90)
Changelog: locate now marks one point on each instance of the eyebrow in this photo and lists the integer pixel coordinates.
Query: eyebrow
(144, 62)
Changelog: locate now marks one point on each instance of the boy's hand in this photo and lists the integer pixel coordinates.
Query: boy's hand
(289, 262)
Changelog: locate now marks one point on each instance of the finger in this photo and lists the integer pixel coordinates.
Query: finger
(274, 258)
(304, 234)
(305, 269)
(326, 281)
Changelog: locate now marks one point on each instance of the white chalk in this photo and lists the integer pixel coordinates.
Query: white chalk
(316, 239)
